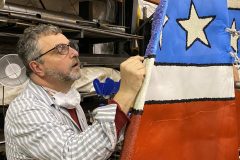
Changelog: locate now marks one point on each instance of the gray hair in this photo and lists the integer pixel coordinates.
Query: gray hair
(27, 46)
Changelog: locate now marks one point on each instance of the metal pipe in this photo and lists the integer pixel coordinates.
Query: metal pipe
(51, 15)
(76, 26)
(41, 13)
(9, 34)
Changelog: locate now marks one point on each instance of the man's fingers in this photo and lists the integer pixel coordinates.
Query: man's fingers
(132, 62)
(134, 58)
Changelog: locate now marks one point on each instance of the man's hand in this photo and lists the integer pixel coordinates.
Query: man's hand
(132, 75)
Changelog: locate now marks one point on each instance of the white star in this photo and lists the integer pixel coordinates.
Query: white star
(234, 4)
(234, 39)
(165, 21)
(194, 27)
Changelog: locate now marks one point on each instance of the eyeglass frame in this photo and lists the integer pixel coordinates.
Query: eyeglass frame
(69, 45)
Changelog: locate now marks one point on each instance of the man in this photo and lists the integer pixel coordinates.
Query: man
(46, 120)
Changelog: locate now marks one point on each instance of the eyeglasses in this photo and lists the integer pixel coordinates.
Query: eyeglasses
(62, 49)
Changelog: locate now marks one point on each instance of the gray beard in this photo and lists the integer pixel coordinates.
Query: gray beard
(63, 77)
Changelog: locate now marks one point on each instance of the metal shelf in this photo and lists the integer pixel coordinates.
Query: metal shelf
(17, 17)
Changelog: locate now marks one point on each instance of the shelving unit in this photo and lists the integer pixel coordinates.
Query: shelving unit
(14, 18)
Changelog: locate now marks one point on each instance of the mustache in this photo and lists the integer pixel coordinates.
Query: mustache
(76, 61)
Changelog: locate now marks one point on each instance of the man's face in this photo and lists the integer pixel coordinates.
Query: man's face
(62, 67)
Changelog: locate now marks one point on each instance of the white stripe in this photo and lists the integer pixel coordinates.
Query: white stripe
(190, 82)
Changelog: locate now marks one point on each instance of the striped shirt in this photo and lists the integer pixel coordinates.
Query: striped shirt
(36, 128)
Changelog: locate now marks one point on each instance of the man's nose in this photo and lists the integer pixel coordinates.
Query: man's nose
(73, 52)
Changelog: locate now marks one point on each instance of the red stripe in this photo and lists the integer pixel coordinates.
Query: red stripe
(189, 131)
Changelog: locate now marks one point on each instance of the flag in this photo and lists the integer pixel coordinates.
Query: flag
(190, 109)
(234, 24)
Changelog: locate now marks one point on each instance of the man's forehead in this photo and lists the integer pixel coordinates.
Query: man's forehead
(52, 40)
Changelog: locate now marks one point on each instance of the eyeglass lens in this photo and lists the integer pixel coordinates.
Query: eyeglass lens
(64, 48)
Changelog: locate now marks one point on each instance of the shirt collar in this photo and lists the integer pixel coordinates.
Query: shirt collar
(40, 92)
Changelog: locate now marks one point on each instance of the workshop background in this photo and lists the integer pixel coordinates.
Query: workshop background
(106, 32)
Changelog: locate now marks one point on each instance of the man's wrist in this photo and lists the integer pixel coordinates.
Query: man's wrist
(125, 100)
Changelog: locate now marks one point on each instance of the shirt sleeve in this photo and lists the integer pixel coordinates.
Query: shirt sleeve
(121, 118)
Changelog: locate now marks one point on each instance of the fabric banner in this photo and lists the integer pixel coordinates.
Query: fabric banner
(190, 110)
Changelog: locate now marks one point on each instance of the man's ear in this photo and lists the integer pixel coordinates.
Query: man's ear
(37, 68)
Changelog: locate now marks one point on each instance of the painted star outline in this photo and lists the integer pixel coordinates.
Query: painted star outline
(203, 17)
(234, 21)
(164, 24)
